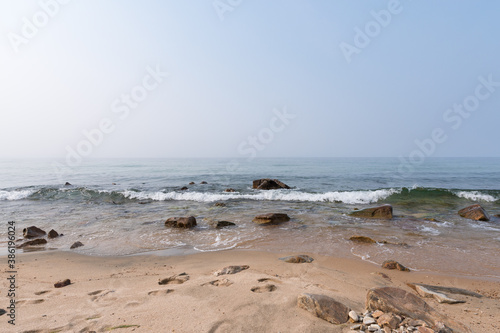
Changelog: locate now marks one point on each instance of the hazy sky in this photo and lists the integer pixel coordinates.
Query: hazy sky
(249, 78)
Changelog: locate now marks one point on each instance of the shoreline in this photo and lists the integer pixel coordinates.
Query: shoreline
(110, 291)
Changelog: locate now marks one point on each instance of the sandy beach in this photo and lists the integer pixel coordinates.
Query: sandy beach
(122, 294)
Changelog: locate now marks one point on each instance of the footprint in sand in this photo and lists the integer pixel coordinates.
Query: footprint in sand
(175, 279)
(38, 293)
(33, 301)
(219, 283)
(93, 293)
(264, 289)
(98, 294)
(160, 292)
(268, 280)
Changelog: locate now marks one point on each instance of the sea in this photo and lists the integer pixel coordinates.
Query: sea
(118, 207)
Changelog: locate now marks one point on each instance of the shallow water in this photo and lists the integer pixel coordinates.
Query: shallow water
(128, 218)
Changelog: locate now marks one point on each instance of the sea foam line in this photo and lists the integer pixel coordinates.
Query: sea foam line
(15, 195)
(353, 197)
(475, 196)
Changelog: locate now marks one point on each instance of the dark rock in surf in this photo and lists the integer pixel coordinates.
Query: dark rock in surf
(76, 245)
(53, 234)
(229, 190)
(192, 183)
(269, 184)
(271, 218)
(474, 212)
(184, 188)
(33, 232)
(35, 242)
(391, 264)
(299, 259)
(381, 212)
(324, 307)
(203, 183)
(181, 222)
(67, 184)
(221, 224)
(220, 204)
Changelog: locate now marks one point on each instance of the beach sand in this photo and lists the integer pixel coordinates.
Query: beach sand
(122, 294)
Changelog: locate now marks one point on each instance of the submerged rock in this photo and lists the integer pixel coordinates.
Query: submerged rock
(76, 245)
(67, 184)
(203, 183)
(192, 183)
(35, 242)
(221, 224)
(301, 258)
(181, 222)
(33, 232)
(324, 307)
(271, 218)
(392, 264)
(362, 239)
(230, 190)
(474, 212)
(269, 184)
(220, 204)
(381, 212)
(184, 188)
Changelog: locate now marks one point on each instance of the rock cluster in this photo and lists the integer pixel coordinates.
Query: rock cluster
(36, 236)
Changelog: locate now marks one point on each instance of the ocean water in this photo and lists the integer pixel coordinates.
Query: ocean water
(118, 207)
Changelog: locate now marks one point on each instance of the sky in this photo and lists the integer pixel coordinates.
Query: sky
(240, 78)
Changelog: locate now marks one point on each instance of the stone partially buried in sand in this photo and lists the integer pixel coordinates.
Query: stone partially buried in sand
(380, 212)
(324, 307)
(392, 264)
(231, 270)
(301, 258)
(271, 218)
(181, 222)
(474, 212)
(76, 245)
(34, 242)
(362, 239)
(62, 283)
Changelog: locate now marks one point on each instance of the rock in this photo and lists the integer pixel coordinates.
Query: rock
(362, 239)
(76, 244)
(53, 234)
(474, 212)
(113, 183)
(175, 279)
(377, 314)
(62, 283)
(269, 184)
(440, 297)
(368, 320)
(67, 184)
(220, 204)
(355, 327)
(301, 258)
(324, 307)
(145, 202)
(33, 232)
(354, 317)
(2, 312)
(391, 264)
(192, 183)
(402, 303)
(381, 212)
(229, 190)
(231, 270)
(390, 320)
(373, 328)
(203, 183)
(271, 218)
(422, 329)
(450, 290)
(431, 219)
(221, 224)
(34, 242)
(498, 215)
(181, 222)
(184, 188)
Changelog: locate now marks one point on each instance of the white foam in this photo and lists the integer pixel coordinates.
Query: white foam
(352, 197)
(475, 196)
(15, 195)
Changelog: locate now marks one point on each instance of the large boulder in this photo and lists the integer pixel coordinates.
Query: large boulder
(269, 184)
(400, 302)
(474, 212)
(271, 218)
(324, 307)
(33, 232)
(181, 222)
(380, 212)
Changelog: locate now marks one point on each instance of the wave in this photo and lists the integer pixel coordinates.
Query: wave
(390, 195)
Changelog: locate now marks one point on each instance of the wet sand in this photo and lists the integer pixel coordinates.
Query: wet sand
(122, 294)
